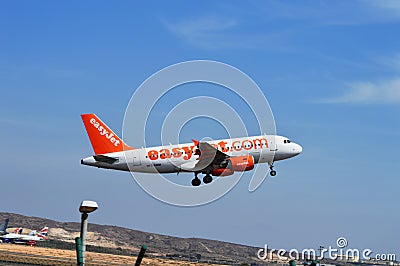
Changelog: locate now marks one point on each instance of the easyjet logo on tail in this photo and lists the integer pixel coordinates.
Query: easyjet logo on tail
(103, 139)
(104, 132)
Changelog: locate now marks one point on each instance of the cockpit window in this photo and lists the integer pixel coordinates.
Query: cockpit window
(286, 141)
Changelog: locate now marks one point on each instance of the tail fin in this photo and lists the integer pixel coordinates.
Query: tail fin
(3, 226)
(43, 233)
(103, 139)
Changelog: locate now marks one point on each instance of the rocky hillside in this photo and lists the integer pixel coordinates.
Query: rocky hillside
(124, 238)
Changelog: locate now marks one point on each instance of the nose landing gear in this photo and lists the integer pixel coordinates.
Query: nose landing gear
(272, 172)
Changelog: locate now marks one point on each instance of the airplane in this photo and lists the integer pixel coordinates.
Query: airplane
(21, 238)
(212, 158)
(3, 227)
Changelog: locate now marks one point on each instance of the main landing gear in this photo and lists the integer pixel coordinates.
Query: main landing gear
(196, 181)
(272, 172)
(207, 179)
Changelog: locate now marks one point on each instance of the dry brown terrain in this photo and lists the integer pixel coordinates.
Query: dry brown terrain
(47, 256)
(130, 241)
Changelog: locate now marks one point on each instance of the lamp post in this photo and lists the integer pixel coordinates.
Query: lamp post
(87, 206)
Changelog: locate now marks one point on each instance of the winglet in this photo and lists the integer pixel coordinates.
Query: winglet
(103, 139)
(196, 142)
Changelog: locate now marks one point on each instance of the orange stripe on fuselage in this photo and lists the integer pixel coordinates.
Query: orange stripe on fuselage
(187, 151)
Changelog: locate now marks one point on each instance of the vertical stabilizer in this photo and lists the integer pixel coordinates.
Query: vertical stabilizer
(103, 139)
(3, 227)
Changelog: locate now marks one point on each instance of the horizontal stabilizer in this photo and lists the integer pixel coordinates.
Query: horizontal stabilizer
(105, 159)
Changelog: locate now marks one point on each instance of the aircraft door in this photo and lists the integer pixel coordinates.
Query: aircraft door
(136, 157)
(272, 144)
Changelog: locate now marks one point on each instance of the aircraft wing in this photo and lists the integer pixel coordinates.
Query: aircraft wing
(208, 157)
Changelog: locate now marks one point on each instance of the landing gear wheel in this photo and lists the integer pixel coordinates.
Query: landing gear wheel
(272, 173)
(207, 179)
(196, 182)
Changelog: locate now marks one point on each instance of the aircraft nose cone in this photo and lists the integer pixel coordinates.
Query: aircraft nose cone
(296, 149)
(299, 149)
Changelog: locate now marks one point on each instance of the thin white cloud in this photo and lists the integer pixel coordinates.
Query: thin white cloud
(220, 32)
(24, 122)
(204, 25)
(383, 92)
(204, 31)
(392, 6)
(273, 24)
(392, 61)
(40, 70)
(361, 12)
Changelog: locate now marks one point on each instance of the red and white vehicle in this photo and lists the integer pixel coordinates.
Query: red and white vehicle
(21, 238)
(212, 158)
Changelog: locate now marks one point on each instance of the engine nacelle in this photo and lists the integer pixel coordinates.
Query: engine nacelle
(222, 172)
(242, 163)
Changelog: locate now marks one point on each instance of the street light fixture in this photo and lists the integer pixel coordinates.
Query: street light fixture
(87, 206)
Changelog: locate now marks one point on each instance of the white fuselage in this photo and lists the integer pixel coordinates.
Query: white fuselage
(169, 159)
(22, 237)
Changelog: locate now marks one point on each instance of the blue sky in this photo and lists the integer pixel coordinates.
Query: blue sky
(331, 73)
